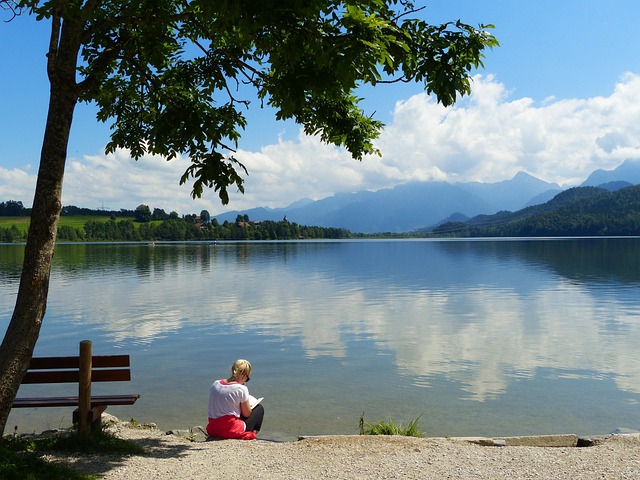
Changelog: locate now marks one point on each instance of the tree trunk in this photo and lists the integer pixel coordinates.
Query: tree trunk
(23, 330)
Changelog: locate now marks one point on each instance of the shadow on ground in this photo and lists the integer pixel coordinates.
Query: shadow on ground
(100, 464)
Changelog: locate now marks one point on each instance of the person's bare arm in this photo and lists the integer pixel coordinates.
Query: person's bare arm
(245, 408)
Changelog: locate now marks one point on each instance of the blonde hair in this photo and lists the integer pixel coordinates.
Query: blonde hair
(240, 367)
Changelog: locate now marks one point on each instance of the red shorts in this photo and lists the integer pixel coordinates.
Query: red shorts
(229, 426)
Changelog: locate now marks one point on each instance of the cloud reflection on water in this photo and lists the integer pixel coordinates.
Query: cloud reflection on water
(482, 315)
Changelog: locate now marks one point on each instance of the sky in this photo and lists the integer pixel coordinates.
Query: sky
(558, 99)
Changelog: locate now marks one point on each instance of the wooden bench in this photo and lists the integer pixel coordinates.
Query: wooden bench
(84, 370)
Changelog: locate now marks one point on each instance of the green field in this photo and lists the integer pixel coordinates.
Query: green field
(22, 223)
(75, 221)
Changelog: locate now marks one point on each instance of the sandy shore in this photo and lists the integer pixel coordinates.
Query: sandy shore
(359, 457)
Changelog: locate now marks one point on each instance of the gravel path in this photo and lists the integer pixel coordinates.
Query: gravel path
(359, 457)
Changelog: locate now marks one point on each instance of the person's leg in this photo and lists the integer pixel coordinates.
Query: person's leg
(254, 421)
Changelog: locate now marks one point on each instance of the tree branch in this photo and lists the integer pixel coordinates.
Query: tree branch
(407, 12)
(54, 39)
(13, 7)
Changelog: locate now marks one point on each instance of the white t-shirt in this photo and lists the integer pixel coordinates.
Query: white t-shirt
(225, 398)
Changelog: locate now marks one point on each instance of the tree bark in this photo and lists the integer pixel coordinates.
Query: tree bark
(23, 330)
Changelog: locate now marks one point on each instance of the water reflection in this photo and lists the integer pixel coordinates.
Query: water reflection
(481, 315)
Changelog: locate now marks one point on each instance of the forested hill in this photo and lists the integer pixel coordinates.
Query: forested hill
(86, 225)
(580, 211)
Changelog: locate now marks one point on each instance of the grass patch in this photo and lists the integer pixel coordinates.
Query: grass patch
(78, 221)
(389, 427)
(17, 221)
(21, 223)
(29, 466)
(20, 457)
(73, 221)
(70, 441)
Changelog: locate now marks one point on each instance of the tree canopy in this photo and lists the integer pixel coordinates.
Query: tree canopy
(171, 75)
(171, 78)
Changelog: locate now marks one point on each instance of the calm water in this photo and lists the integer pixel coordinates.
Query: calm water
(476, 337)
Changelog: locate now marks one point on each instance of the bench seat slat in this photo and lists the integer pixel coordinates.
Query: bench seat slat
(73, 376)
(58, 376)
(98, 361)
(47, 363)
(110, 361)
(113, 375)
(45, 402)
(72, 401)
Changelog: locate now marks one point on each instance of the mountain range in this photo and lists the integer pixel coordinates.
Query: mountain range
(576, 212)
(424, 205)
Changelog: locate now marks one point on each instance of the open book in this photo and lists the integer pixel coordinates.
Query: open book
(254, 401)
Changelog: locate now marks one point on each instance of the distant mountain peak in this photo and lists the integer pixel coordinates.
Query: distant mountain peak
(526, 178)
(627, 171)
(523, 175)
(300, 203)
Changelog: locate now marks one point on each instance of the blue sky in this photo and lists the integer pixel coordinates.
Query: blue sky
(558, 99)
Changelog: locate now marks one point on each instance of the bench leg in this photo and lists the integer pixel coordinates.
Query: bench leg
(95, 416)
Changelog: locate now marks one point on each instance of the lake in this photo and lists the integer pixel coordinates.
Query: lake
(475, 337)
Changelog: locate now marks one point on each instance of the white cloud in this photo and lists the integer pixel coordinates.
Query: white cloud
(486, 137)
(17, 184)
(289, 170)
(489, 138)
(116, 181)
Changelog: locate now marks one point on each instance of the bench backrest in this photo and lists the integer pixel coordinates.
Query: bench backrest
(105, 368)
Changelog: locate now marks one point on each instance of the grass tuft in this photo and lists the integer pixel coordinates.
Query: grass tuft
(389, 427)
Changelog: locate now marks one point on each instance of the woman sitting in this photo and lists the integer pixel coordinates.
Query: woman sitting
(230, 413)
